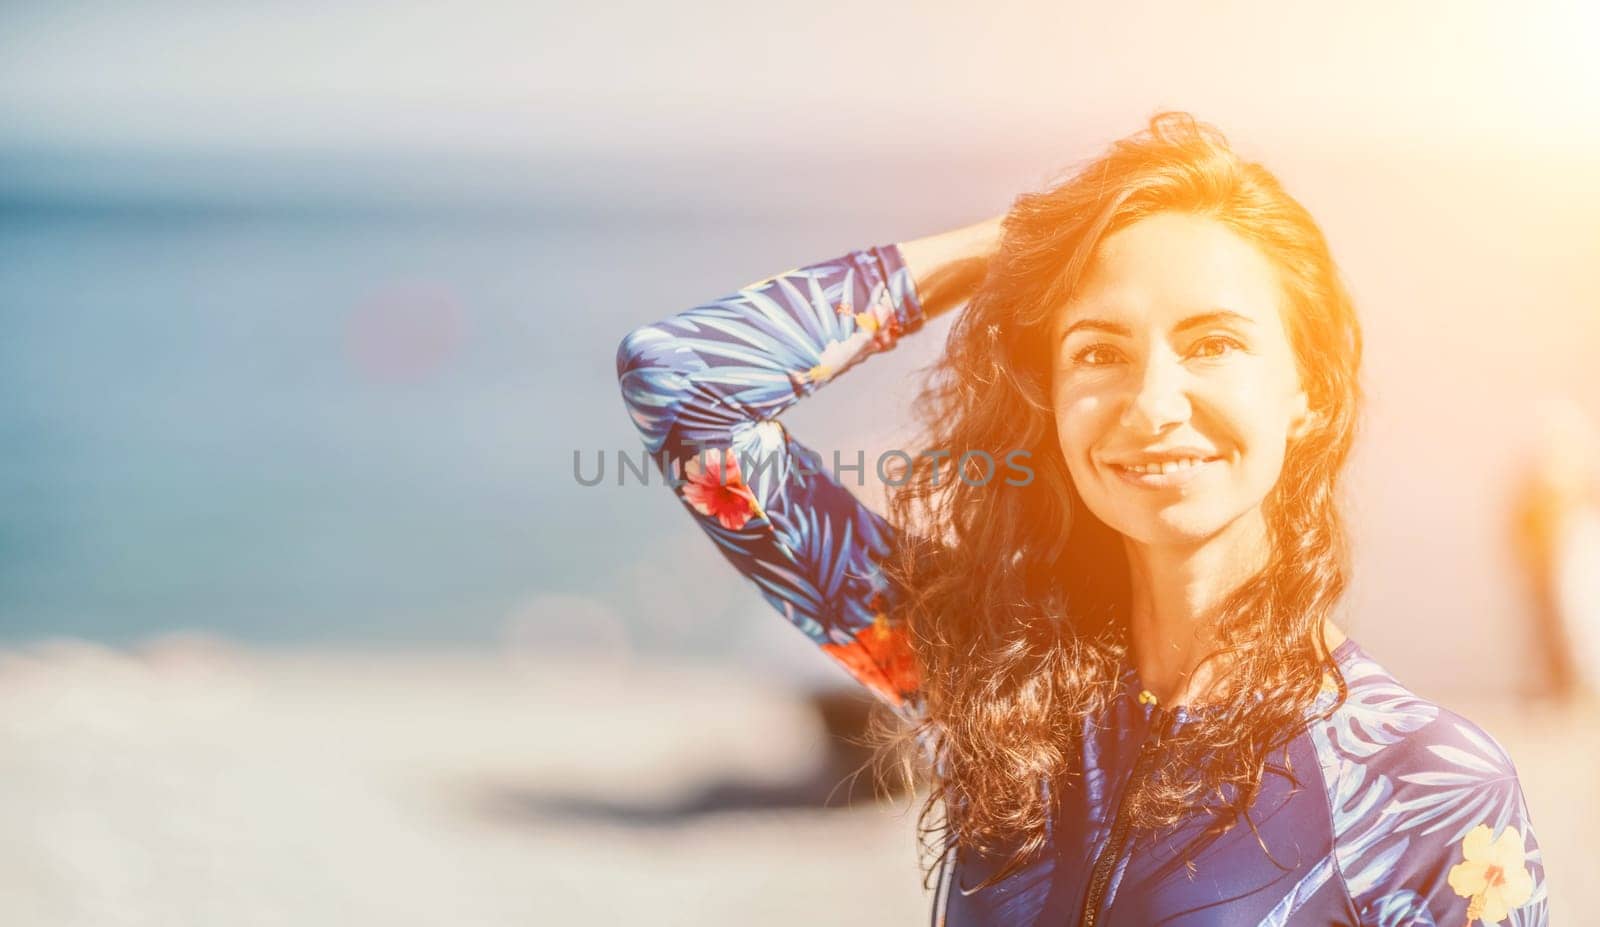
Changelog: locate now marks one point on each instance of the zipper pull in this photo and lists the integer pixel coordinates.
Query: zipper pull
(1157, 718)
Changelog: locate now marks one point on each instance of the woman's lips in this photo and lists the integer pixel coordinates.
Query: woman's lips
(1165, 474)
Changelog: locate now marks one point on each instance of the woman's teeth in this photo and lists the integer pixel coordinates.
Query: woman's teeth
(1165, 466)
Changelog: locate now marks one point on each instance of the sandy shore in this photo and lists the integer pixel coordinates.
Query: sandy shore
(189, 782)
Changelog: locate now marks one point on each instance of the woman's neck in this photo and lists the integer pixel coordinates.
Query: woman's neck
(1175, 591)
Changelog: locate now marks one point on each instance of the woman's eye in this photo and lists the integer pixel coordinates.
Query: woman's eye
(1216, 346)
(1095, 355)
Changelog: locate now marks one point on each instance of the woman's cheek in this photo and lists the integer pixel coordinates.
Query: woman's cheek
(1236, 412)
(1077, 424)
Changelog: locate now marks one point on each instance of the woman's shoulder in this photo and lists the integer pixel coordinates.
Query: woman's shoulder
(1384, 722)
(1423, 802)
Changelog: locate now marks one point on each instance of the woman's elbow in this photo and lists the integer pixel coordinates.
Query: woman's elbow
(635, 348)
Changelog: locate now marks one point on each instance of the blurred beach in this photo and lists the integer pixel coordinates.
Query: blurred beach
(191, 782)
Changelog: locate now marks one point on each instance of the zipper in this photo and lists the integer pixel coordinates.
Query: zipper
(1100, 876)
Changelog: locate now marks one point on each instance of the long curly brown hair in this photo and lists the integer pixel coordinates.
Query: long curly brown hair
(1017, 596)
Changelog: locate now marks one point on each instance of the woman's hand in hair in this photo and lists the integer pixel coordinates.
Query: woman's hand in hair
(947, 267)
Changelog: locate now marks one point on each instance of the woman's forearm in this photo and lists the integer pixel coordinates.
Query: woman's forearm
(947, 267)
(707, 386)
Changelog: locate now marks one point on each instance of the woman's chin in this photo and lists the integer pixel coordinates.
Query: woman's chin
(1173, 526)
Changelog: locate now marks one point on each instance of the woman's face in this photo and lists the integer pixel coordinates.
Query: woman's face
(1175, 386)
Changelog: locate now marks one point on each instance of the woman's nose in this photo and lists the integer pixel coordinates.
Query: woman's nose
(1160, 397)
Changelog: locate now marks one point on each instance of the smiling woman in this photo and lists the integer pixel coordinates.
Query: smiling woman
(1123, 673)
(1212, 396)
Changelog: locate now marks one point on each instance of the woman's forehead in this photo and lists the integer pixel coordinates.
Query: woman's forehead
(1170, 267)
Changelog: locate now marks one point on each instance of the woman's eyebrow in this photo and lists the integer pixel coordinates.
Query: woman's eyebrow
(1193, 321)
(1104, 325)
(1211, 318)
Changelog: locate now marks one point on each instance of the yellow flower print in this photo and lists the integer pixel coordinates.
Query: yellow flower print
(876, 328)
(1492, 874)
(881, 320)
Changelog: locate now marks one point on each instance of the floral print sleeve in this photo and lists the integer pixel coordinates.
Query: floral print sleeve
(705, 387)
(1430, 822)
(1473, 857)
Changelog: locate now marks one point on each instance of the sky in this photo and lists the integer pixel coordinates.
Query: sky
(651, 79)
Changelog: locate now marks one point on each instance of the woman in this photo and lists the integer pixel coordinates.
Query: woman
(1102, 599)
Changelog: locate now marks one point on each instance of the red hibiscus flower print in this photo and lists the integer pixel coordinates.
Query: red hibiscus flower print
(881, 658)
(716, 488)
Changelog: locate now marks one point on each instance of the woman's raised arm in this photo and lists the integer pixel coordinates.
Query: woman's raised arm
(705, 387)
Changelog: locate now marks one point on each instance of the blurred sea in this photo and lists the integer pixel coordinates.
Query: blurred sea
(287, 398)
(319, 401)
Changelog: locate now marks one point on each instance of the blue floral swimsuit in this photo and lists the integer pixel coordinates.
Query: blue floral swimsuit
(1404, 814)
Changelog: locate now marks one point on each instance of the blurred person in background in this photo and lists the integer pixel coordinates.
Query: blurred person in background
(1558, 540)
(1100, 602)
